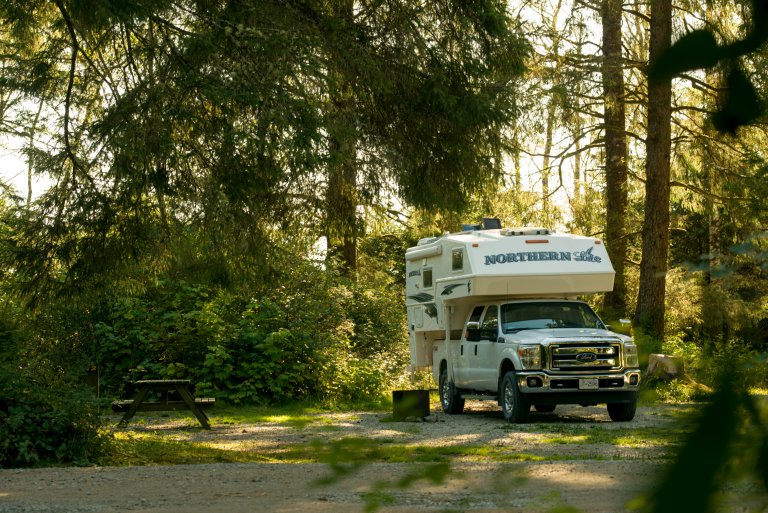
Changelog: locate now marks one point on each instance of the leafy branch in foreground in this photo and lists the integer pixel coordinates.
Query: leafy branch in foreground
(700, 50)
(731, 440)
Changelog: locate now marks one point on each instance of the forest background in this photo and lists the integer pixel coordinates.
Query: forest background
(232, 186)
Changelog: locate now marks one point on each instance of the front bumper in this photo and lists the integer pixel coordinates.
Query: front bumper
(541, 387)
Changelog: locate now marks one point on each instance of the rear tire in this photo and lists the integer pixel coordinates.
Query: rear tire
(513, 404)
(622, 412)
(450, 399)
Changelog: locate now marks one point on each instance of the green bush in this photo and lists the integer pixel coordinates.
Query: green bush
(44, 418)
(47, 421)
(318, 337)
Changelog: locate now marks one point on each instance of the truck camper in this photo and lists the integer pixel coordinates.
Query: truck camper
(494, 313)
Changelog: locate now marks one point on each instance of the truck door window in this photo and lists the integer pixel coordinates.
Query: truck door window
(489, 329)
(476, 314)
(457, 259)
(426, 278)
(472, 333)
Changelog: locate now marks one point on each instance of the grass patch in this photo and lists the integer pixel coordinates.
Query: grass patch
(638, 437)
(155, 449)
(360, 450)
(146, 446)
(296, 416)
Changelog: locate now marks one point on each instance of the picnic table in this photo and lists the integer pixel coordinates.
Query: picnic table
(167, 402)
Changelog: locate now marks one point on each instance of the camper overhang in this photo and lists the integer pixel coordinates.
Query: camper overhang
(518, 263)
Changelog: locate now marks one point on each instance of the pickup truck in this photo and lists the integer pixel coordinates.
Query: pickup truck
(540, 353)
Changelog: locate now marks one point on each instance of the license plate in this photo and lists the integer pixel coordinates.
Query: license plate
(589, 384)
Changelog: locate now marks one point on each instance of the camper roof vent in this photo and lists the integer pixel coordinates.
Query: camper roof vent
(525, 231)
(427, 240)
(489, 223)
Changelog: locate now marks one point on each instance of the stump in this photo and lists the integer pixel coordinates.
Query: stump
(665, 367)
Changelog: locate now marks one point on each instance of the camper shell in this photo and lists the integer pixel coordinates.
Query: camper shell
(448, 278)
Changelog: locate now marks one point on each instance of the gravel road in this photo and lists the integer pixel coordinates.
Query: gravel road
(567, 470)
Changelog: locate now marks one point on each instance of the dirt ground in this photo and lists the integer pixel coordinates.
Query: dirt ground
(564, 474)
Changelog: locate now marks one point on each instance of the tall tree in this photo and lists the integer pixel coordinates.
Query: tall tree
(653, 267)
(341, 220)
(615, 150)
(252, 122)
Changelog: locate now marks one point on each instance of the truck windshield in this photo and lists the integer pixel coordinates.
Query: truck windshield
(547, 315)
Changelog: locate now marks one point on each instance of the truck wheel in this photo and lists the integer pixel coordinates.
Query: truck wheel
(622, 412)
(545, 408)
(450, 399)
(514, 406)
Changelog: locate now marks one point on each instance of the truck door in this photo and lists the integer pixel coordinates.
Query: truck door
(483, 354)
(465, 347)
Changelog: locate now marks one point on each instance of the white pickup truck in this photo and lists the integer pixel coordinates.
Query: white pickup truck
(494, 313)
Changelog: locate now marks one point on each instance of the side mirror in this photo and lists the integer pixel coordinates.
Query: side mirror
(472, 332)
(628, 323)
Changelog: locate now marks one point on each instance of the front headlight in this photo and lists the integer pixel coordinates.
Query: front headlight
(530, 356)
(630, 355)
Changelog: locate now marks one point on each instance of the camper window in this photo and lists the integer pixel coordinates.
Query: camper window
(458, 259)
(426, 278)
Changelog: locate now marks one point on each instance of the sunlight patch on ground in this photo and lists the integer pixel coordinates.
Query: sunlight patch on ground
(570, 475)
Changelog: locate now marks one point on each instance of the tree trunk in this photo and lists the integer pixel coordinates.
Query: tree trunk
(341, 195)
(31, 146)
(653, 268)
(615, 152)
(711, 182)
(550, 121)
(545, 168)
(577, 166)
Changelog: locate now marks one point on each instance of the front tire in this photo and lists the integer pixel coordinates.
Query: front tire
(450, 399)
(622, 412)
(513, 404)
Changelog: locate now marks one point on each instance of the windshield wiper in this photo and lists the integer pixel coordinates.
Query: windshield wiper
(515, 330)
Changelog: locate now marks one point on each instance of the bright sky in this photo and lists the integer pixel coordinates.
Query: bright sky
(13, 170)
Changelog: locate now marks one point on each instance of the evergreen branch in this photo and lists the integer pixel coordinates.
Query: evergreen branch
(705, 193)
(71, 83)
(700, 84)
(639, 14)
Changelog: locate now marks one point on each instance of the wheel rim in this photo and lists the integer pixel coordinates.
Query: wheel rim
(509, 396)
(445, 392)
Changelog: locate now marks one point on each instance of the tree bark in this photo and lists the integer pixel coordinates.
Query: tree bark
(653, 268)
(551, 113)
(31, 147)
(545, 167)
(341, 195)
(615, 152)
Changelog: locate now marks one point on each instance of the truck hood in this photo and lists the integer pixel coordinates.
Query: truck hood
(560, 335)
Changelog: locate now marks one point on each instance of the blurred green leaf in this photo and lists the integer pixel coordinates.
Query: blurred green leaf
(762, 462)
(742, 105)
(695, 50)
(691, 481)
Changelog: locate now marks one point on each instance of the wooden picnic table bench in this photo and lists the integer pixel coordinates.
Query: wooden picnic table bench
(164, 387)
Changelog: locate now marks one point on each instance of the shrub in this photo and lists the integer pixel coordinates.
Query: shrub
(44, 421)
(317, 337)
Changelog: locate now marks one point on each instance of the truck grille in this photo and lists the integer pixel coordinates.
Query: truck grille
(595, 356)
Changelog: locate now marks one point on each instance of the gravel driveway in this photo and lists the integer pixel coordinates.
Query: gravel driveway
(553, 465)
